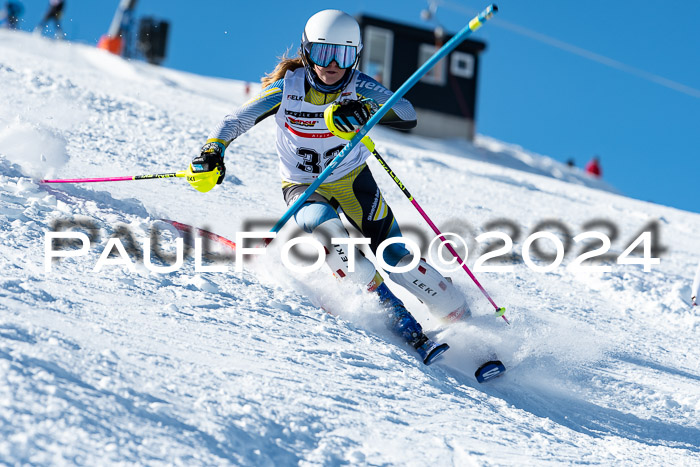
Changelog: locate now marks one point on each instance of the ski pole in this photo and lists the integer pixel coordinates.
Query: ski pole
(500, 311)
(369, 144)
(474, 24)
(180, 174)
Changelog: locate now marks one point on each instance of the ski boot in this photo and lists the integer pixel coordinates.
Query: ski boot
(406, 326)
(429, 350)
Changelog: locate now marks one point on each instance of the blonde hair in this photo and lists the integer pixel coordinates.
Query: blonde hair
(285, 64)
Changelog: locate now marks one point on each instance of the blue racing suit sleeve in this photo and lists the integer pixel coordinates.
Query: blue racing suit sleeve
(249, 114)
(402, 115)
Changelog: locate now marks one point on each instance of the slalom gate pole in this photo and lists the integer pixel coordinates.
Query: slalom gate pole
(500, 311)
(474, 24)
(180, 174)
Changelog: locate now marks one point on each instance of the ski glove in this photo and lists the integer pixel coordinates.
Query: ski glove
(207, 169)
(351, 115)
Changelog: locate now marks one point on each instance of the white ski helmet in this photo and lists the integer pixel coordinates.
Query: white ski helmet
(330, 35)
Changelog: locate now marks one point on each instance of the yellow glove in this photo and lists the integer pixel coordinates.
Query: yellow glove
(207, 169)
(345, 118)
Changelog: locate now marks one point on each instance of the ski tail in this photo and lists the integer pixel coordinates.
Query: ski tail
(489, 370)
(188, 230)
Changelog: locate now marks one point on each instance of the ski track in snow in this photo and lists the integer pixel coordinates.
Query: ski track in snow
(246, 368)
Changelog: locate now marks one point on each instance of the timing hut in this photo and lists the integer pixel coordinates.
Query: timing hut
(445, 98)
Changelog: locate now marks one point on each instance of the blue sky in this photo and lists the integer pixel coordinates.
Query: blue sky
(567, 79)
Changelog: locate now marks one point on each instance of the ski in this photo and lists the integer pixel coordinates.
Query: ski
(186, 230)
(430, 351)
(489, 371)
(492, 367)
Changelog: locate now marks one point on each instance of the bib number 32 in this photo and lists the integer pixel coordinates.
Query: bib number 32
(312, 162)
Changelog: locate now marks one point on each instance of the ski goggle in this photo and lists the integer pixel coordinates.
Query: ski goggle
(323, 54)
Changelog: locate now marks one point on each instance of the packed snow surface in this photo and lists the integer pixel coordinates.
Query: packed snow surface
(271, 367)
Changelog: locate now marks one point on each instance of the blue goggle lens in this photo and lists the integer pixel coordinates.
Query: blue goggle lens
(323, 54)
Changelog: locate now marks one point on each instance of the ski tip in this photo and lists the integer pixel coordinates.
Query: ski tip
(489, 370)
(435, 353)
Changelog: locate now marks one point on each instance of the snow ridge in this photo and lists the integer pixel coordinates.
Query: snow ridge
(231, 368)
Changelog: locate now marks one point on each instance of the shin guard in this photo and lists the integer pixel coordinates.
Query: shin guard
(337, 255)
(430, 287)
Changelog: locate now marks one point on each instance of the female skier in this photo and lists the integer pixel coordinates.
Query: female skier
(297, 92)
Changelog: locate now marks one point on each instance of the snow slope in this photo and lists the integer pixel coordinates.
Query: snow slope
(228, 368)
